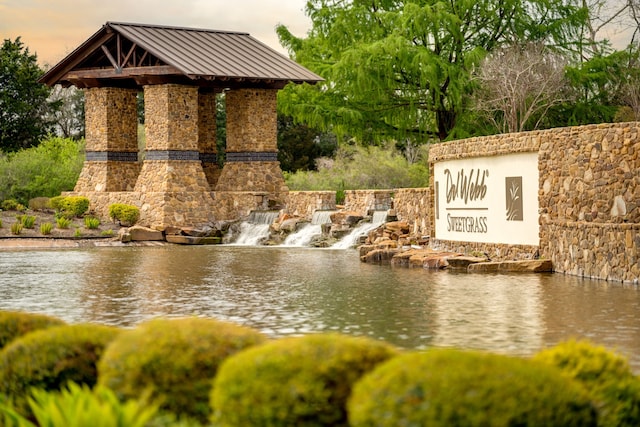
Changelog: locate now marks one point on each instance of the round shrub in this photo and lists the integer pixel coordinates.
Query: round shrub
(606, 376)
(70, 206)
(50, 358)
(447, 387)
(14, 324)
(173, 359)
(126, 215)
(294, 381)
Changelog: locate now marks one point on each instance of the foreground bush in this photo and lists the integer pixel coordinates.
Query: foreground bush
(457, 388)
(79, 406)
(606, 376)
(174, 359)
(50, 358)
(294, 381)
(14, 324)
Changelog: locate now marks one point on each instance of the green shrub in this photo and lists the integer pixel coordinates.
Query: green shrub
(50, 358)
(39, 204)
(91, 222)
(175, 359)
(606, 376)
(63, 222)
(0, 223)
(106, 233)
(46, 170)
(14, 324)
(28, 221)
(9, 205)
(45, 228)
(448, 387)
(77, 234)
(70, 206)
(126, 215)
(16, 228)
(79, 406)
(294, 381)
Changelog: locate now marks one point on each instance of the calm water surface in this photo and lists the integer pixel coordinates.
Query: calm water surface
(286, 291)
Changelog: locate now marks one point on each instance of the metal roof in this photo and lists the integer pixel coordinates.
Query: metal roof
(199, 54)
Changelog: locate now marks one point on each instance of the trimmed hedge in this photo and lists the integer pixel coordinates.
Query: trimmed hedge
(50, 358)
(174, 359)
(70, 206)
(462, 388)
(294, 381)
(14, 324)
(126, 215)
(606, 376)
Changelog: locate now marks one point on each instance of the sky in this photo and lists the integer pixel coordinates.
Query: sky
(54, 28)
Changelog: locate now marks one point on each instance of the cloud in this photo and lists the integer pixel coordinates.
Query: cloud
(53, 28)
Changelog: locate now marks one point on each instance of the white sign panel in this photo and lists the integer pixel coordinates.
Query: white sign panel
(488, 199)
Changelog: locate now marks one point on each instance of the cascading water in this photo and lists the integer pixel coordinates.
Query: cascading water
(256, 228)
(305, 235)
(378, 218)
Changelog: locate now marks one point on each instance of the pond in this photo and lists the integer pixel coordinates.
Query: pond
(290, 291)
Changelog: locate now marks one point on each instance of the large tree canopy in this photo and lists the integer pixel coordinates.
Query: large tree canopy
(400, 69)
(23, 101)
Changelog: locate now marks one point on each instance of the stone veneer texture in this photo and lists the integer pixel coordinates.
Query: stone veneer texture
(305, 203)
(252, 120)
(588, 196)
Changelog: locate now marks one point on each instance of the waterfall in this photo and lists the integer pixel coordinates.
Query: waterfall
(321, 217)
(377, 219)
(255, 229)
(304, 236)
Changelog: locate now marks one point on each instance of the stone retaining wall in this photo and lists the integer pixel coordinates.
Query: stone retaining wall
(363, 201)
(414, 205)
(305, 203)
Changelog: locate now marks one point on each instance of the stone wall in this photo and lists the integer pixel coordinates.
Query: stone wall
(305, 203)
(414, 205)
(363, 201)
(588, 195)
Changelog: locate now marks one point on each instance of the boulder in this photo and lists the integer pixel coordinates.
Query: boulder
(192, 240)
(379, 256)
(524, 266)
(139, 233)
(463, 262)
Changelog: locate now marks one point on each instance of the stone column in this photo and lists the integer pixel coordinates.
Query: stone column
(207, 135)
(111, 124)
(172, 183)
(252, 146)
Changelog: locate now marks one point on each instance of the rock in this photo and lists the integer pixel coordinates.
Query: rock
(192, 240)
(379, 256)
(463, 262)
(524, 266)
(484, 267)
(399, 227)
(346, 218)
(435, 262)
(138, 233)
(124, 236)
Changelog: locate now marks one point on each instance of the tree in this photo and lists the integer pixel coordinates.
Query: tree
(399, 69)
(518, 85)
(68, 119)
(299, 145)
(23, 101)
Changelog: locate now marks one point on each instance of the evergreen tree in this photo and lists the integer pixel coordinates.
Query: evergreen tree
(23, 101)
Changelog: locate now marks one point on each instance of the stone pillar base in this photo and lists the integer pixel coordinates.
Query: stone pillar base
(157, 210)
(108, 176)
(258, 176)
(172, 176)
(212, 171)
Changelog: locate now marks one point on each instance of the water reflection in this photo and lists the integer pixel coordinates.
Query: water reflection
(284, 291)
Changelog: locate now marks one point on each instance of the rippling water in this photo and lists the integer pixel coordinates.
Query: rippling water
(284, 291)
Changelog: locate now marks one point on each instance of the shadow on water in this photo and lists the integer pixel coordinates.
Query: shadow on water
(290, 291)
